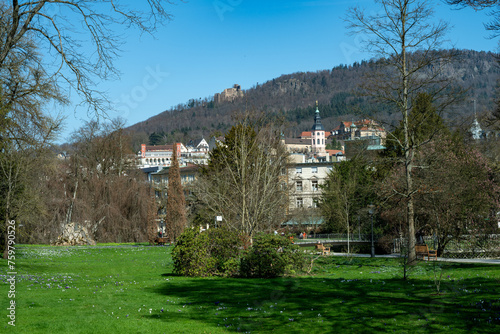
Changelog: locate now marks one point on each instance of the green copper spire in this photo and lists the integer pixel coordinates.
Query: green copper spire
(317, 121)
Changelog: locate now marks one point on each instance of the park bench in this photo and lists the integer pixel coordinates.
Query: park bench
(423, 250)
(160, 241)
(324, 250)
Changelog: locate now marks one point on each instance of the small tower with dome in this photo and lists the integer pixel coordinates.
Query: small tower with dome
(476, 131)
(352, 129)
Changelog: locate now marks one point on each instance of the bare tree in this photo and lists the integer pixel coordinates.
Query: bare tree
(401, 33)
(459, 209)
(25, 90)
(99, 191)
(28, 80)
(493, 5)
(348, 190)
(448, 207)
(244, 180)
(25, 132)
(60, 28)
(339, 200)
(476, 4)
(20, 196)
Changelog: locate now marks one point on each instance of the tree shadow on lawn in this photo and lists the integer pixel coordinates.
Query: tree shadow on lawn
(326, 303)
(171, 275)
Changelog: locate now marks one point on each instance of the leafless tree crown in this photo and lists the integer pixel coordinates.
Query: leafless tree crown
(79, 38)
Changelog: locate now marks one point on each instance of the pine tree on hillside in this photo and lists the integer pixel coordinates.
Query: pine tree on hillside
(176, 203)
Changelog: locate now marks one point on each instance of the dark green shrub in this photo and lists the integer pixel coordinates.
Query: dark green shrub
(271, 256)
(190, 254)
(213, 252)
(224, 247)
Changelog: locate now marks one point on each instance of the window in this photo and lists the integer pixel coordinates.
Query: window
(298, 170)
(314, 169)
(314, 185)
(299, 185)
(300, 203)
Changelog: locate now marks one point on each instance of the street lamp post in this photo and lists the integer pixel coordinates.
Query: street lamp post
(371, 211)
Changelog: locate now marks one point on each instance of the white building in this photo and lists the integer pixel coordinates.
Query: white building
(305, 178)
(160, 156)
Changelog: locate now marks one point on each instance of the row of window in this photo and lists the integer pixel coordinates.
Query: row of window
(167, 160)
(187, 178)
(314, 170)
(314, 185)
(298, 170)
(300, 203)
(157, 160)
(320, 142)
(184, 179)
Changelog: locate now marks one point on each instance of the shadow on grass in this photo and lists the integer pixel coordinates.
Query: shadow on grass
(321, 304)
(170, 275)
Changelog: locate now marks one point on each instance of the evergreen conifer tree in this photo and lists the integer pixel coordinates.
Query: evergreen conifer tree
(176, 203)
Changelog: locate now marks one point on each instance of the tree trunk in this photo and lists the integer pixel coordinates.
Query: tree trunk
(408, 149)
(70, 209)
(5, 241)
(10, 179)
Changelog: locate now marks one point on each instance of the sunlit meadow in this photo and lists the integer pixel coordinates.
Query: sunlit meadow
(131, 289)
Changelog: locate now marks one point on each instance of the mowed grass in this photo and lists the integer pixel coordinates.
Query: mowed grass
(131, 289)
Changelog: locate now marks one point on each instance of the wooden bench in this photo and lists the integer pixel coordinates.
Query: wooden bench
(423, 250)
(324, 250)
(160, 241)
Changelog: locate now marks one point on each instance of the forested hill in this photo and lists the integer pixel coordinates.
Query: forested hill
(295, 95)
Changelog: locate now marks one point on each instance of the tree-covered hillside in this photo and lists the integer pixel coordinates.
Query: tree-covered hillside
(336, 90)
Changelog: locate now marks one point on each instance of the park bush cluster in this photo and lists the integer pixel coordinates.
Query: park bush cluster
(220, 252)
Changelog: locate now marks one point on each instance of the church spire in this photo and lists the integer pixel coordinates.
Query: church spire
(317, 121)
(318, 135)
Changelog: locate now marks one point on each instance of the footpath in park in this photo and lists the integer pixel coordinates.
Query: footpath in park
(442, 259)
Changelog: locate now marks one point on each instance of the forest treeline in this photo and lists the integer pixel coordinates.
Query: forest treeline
(339, 98)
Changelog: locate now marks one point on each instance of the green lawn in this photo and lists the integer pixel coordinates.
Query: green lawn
(131, 289)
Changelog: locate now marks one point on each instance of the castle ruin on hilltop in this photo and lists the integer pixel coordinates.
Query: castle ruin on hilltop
(229, 94)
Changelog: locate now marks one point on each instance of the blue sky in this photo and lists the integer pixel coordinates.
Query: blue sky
(212, 44)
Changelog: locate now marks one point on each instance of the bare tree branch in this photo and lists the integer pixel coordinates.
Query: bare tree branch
(243, 181)
(401, 33)
(62, 36)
